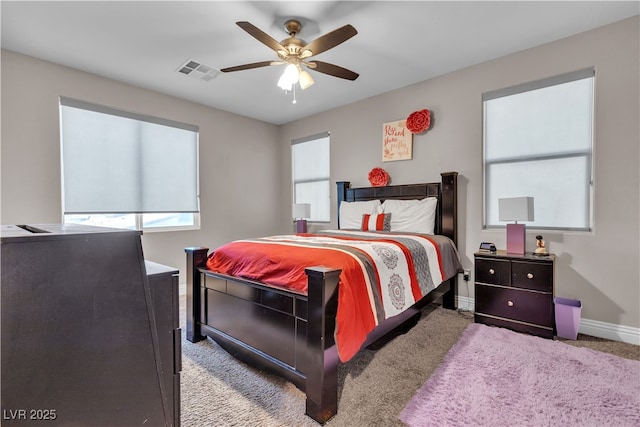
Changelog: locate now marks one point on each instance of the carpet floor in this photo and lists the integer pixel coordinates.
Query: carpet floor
(373, 387)
(497, 377)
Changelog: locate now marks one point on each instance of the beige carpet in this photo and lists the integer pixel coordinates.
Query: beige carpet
(374, 387)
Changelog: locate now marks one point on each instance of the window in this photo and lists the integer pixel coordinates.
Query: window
(310, 172)
(538, 143)
(148, 222)
(127, 170)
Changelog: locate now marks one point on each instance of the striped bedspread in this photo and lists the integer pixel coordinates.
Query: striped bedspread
(382, 275)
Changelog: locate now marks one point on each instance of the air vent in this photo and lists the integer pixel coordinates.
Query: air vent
(199, 71)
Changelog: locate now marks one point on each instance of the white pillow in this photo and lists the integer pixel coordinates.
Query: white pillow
(351, 212)
(413, 216)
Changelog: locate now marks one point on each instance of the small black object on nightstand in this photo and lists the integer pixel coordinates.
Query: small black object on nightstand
(487, 247)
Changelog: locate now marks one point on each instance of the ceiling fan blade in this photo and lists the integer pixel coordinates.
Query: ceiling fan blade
(330, 40)
(247, 66)
(260, 35)
(333, 70)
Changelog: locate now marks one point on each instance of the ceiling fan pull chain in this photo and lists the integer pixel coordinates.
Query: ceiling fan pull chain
(294, 95)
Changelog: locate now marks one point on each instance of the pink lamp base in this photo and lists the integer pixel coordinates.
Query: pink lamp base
(515, 238)
(301, 226)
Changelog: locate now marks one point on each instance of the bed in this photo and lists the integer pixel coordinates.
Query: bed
(294, 331)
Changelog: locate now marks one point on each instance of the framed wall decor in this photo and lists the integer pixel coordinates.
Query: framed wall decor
(397, 141)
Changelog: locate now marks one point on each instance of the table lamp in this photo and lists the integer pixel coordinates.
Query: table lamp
(301, 211)
(516, 209)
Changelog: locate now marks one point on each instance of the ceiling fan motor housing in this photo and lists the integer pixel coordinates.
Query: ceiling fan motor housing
(292, 27)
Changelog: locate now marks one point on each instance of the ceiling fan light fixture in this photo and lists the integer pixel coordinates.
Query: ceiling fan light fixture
(292, 73)
(289, 77)
(305, 79)
(284, 83)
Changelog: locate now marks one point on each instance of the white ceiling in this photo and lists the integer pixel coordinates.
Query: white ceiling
(398, 43)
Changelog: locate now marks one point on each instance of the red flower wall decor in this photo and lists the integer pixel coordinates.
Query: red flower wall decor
(378, 177)
(419, 121)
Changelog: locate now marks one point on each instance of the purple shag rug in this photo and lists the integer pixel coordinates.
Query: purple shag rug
(497, 377)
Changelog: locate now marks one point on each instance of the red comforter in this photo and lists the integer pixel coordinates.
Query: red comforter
(382, 274)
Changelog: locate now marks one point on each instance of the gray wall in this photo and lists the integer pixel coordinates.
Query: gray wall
(600, 268)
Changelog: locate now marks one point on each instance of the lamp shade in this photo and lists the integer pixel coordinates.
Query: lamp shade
(301, 210)
(289, 77)
(305, 80)
(515, 209)
(284, 83)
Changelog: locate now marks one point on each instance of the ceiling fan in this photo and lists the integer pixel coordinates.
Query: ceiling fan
(296, 52)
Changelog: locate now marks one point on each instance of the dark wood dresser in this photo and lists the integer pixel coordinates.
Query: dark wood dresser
(164, 285)
(89, 329)
(515, 291)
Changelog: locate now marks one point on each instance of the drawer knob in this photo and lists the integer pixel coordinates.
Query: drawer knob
(492, 271)
(510, 303)
(530, 275)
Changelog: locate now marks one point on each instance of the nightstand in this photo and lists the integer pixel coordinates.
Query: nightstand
(515, 291)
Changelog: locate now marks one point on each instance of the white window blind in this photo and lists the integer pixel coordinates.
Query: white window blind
(538, 143)
(120, 162)
(310, 171)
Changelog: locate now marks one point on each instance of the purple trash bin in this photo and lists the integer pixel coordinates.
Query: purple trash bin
(567, 317)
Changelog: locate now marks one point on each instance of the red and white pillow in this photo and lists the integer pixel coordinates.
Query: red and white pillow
(376, 222)
(351, 213)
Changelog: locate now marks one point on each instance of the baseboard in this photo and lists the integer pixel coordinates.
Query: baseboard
(589, 327)
(465, 303)
(609, 331)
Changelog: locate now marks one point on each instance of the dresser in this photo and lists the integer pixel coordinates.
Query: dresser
(164, 286)
(89, 329)
(515, 291)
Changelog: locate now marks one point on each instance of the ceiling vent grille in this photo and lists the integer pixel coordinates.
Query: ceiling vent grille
(199, 71)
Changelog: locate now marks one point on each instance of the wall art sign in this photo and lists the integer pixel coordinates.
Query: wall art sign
(397, 141)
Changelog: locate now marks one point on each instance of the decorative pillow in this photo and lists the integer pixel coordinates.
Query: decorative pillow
(377, 222)
(351, 213)
(413, 216)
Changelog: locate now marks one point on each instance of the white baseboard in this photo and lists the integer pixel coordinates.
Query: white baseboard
(465, 303)
(609, 331)
(589, 327)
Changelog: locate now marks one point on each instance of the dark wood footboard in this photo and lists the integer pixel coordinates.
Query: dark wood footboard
(284, 332)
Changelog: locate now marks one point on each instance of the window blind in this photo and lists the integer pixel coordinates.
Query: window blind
(311, 183)
(116, 161)
(538, 142)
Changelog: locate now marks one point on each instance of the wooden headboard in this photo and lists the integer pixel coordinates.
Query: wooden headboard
(446, 191)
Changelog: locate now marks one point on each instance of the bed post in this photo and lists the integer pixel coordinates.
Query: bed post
(450, 205)
(342, 195)
(450, 228)
(196, 257)
(322, 373)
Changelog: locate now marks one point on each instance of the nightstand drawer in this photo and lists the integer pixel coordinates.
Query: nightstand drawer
(531, 275)
(493, 271)
(520, 305)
